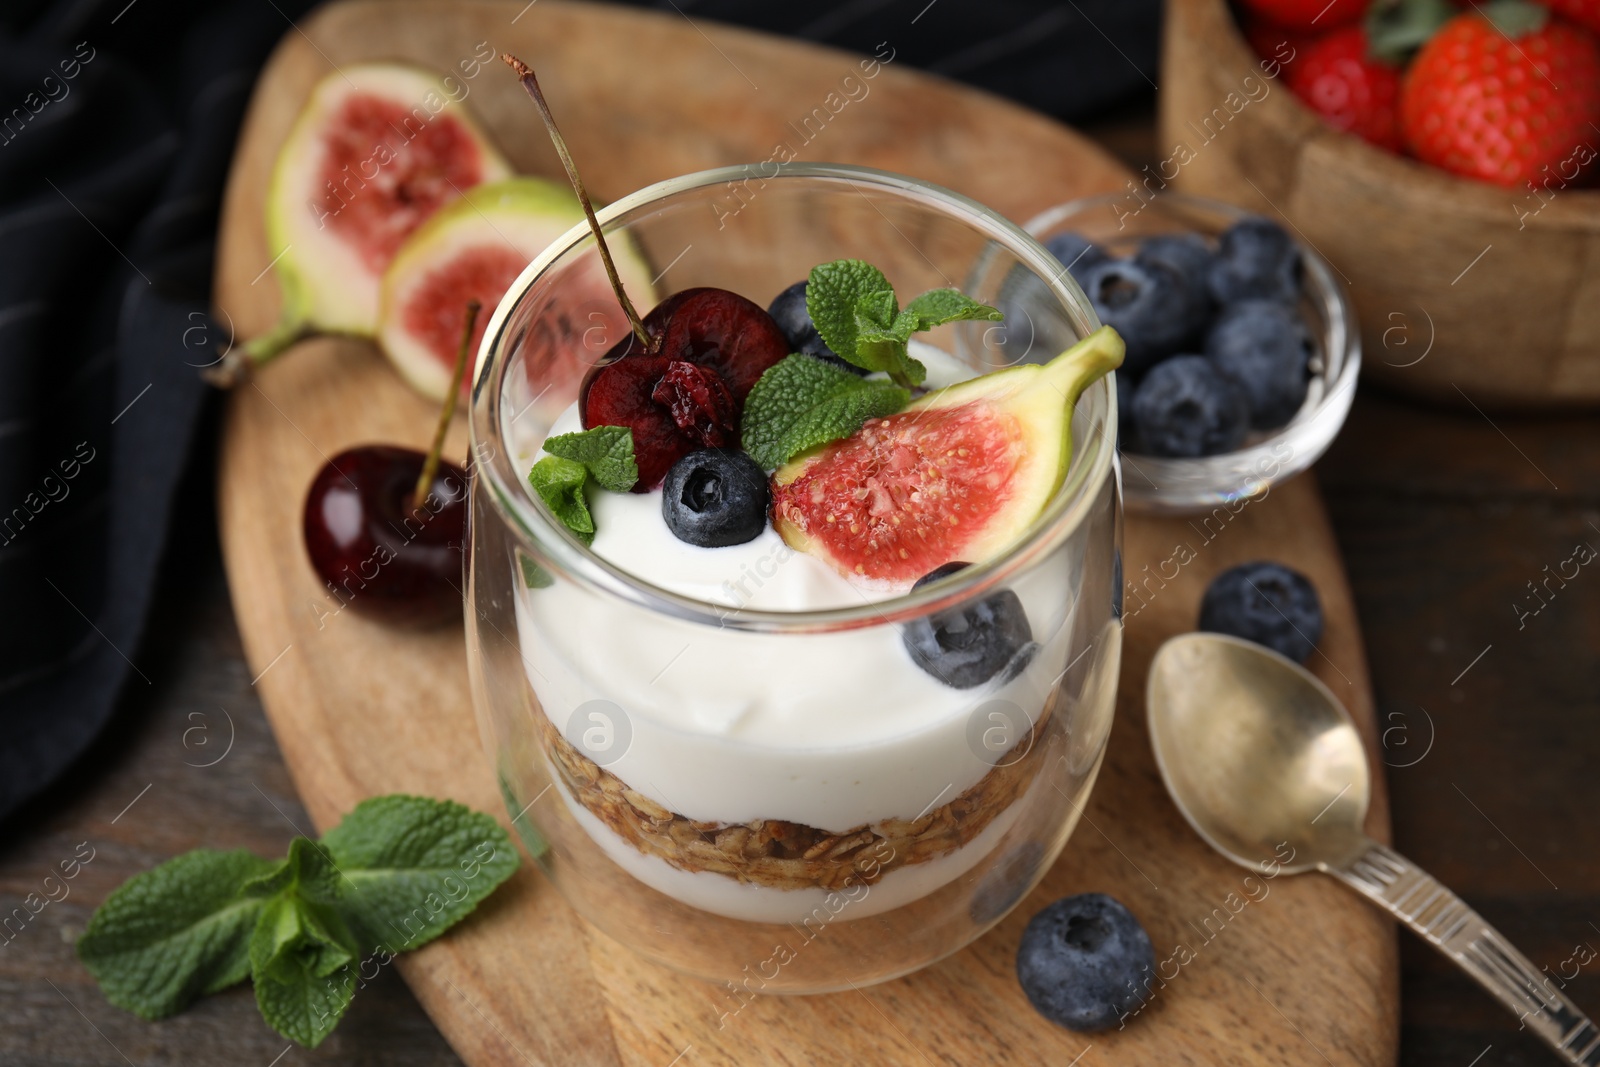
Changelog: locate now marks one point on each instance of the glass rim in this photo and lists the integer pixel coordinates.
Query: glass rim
(554, 547)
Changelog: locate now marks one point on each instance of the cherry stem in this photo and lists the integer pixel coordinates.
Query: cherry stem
(430, 466)
(530, 82)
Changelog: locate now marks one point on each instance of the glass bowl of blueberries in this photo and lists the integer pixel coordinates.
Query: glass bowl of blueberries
(1243, 348)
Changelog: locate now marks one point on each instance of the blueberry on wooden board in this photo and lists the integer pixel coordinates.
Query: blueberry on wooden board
(1085, 962)
(1267, 603)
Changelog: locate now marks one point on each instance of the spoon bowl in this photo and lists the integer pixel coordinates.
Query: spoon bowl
(1257, 753)
(1262, 759)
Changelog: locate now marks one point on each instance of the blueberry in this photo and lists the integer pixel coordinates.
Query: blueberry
(1186, 407)
(1256, 260)
(1149, 304)
(968, 645)
(1266, 603)
(1085, 962)
(1186, 253)
(715, 497)
(1076, 253)
(788, 310)
(1265, 347)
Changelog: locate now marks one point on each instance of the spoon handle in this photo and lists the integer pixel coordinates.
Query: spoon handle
(1444, 920)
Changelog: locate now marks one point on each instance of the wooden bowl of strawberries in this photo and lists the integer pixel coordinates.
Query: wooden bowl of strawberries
(1441, 157)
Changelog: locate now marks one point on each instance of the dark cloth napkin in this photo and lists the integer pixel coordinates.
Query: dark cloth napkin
(117, 124)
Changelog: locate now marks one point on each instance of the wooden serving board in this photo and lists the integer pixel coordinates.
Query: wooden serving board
(1303, 974)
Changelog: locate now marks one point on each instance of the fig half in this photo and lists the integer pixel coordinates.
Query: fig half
(960, 474)
(474, 249)
(378, 148)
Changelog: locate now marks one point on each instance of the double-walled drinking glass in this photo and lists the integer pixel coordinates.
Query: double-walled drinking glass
(784, 801)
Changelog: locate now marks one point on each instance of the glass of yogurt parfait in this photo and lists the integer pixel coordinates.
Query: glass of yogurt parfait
(744, 762)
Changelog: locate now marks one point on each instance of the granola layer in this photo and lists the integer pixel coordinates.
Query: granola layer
(787, 855)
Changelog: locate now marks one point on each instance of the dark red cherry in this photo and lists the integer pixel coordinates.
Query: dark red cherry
(378, 553)
(725, 332)
(699, 402)
(709, 348)
(622, 394)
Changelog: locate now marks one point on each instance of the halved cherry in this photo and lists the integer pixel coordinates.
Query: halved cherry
(649, 381)
(710, 347)
(619, 394)
(723, 331)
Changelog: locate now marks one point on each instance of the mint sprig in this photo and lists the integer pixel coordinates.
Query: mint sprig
(802, 402)
(301, 948)
(396, 873)
(857, 314)
(603, 453)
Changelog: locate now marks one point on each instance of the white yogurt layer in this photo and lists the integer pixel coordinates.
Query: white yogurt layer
(831, 730)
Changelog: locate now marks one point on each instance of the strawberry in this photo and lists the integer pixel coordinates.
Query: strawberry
(1340, 80)
(1314, 15)
(1585, 13)
(1502, 101)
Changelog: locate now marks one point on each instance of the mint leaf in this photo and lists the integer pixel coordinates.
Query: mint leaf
(559, 483)
(939, 306)
(308, 871)
(875, 311)
(302, 947)
(413, 867)
(853, 307)
(606, 451)
(174, 933)
(802, 402)
(881, 336)
(300, 956)
(833, 297)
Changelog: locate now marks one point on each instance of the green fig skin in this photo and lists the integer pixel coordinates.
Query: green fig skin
(326, 286)
(521, 216)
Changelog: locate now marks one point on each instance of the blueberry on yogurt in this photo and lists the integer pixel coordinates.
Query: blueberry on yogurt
(715, 497)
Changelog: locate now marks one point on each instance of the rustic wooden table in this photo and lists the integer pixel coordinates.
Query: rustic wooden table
(1485, 669)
